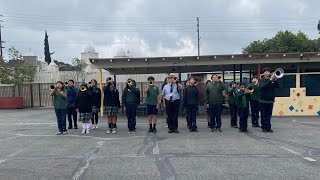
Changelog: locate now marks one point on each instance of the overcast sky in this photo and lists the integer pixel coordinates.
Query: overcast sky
(150, 27)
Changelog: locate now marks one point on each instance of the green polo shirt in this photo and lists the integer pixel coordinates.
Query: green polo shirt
(152, 95)
(255, 94)
(59, 102)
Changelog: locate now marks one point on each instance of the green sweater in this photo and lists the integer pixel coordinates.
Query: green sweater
(242, 100)
(60, 102)
(255, 95)
(213, 93)
(131, 95)
(231, 95)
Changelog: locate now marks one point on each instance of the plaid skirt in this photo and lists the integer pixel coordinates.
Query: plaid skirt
(85, 117)
(111, 110)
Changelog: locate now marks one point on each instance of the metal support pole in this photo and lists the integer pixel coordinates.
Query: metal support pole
(101, 88)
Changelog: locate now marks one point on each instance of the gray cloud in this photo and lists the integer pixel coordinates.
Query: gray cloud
(151, 27)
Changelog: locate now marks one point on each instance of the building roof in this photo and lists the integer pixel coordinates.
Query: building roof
(207, 63)
(89, 49)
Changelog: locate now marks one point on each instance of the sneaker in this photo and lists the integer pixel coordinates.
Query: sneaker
(83, 131)
(270, 131)
(114, 131)
(213, 130)
(59, 133)
(154, 130)
(109, 131)
(96, 126)
(219, 130)
(170, 131)
(236, 126)
(76, 127)
(176, 131)
(129, 132)
(70, 127)
(195, 130)
(65, 132)
(150, 130)
(264, 130)
(134, 131)
(87, 131)
(190, 130)
(93, 126)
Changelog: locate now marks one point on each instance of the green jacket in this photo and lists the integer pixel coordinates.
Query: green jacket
(232, 95)
(242, 100)
(131, 95)
(60, 102)
(213, 93)
(255, 94)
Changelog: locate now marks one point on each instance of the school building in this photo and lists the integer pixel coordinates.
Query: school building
(298, 95)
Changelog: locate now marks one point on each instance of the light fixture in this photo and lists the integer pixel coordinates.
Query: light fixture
(318, 54)
(110, 60)
(284, 55)
(215, 57)
(146, 59)
(128, 60)
(267, 55)
(92, 60)
(301, 55)
(250, 56)
(163, 59)
(198, 57)
(180, 58)
(232, 56)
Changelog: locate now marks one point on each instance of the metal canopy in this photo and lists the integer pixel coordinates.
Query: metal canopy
(184, 64)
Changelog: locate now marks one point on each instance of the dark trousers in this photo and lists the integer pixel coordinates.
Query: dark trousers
(192, 116)
(131, 112)
(233, 113)
(215, 115)
(61, 119)
(254, 112)
(172, 109)
(266, 113)
(243, 113)
(72, 114)
(95, 118)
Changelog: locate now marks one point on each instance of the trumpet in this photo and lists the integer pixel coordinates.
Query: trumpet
(89, 83)
(66, 83)
(129, 82)
(109, 79)
(150, 83)
(278, 73)
(52, 87)
(83, 88)
(250, 89)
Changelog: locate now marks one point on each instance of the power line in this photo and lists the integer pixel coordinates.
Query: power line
(198, 30)
(1, 42)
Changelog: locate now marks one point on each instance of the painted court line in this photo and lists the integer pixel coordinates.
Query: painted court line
(309, 159)
(155, 150)
(296, 153)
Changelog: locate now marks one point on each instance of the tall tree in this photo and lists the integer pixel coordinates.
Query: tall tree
(47, 54)
(17, 72)
(284, 42)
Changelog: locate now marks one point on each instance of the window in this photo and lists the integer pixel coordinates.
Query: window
(285, 83)
(312, 84)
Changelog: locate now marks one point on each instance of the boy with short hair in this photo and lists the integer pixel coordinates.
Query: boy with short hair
(243, 97)
(232, 104)
(153, 103)
(254, 101)
(190, 102)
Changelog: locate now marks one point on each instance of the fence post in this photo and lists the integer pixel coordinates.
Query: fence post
(39, 94)
(31, 94)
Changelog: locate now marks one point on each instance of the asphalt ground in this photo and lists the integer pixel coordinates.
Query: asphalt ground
(30, 149)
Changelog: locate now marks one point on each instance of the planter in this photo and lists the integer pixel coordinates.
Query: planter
(11, 102)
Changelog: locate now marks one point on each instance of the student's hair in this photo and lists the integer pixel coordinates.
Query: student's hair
(62, 88)
(95, 81)
(192, 78)
(243, 84)
(71, 81)
(255, 77)
(232, 82)
(214, 75)
(150, 78)
(266, 69)
(208, 82)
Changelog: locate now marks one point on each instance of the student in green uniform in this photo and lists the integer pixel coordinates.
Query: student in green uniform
(153, 104)
(59, 94)
(243, 97)
(213, 99)
(254, 101)
(232, 104)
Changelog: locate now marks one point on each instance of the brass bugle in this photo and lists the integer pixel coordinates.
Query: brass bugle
(52, 87)
(250, 89)
(83, 88)
(89, 83)
(129, 82)
(150, 83)
(66, 83)
(278, 73)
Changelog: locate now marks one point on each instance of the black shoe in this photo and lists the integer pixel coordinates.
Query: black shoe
(154, 130)
(255, 126)
(195, 130)
(240, 130)
(176, 131)
(76, 127)
(190, 130)
(213, 130)
(150, 130)
(170, 131)
(264, 130)
(209, 125)
(236, 126)
(219, 130)
(70, 127)
(270, 131)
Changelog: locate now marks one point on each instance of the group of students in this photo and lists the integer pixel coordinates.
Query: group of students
(68, 101)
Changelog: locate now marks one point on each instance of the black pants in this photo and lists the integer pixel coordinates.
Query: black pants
(172, 109)
(192, 116)
(243, 113)
(255, 112)
(95, 118)
(215, 111)
(131, 112)
(233, 113)
(266, 113)
(72, 114)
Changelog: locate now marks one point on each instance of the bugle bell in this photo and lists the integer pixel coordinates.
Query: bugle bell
(52, 87)
(150, 83)
(83, 88)
(278, 73)
(250, 89)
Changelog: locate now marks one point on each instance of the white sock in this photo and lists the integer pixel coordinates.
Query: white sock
(88, 125)
(83, 126)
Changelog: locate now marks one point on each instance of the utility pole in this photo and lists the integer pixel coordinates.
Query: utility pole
(1, 47)
(198, 25)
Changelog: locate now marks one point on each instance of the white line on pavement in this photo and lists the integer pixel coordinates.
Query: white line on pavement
(296, 153)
